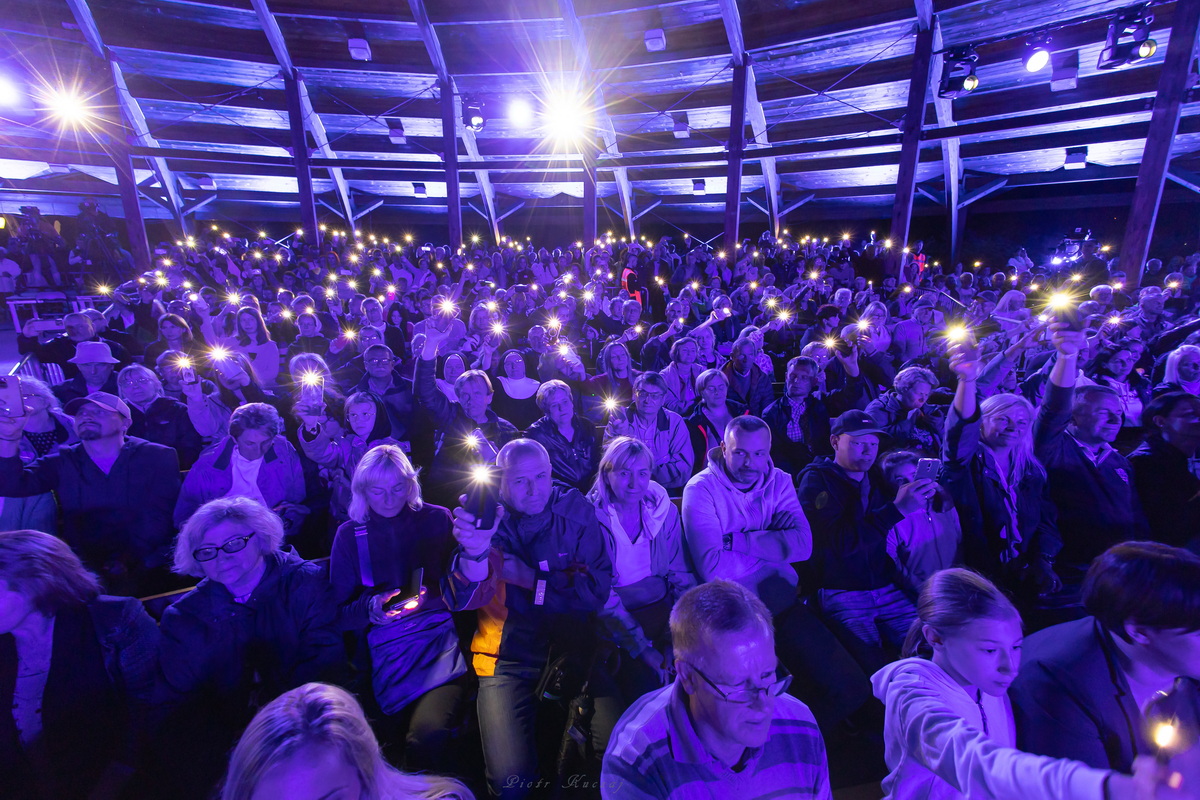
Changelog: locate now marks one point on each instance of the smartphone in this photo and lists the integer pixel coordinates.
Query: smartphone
(928, 469)
(410, 598)
(1070, 316)
(188, 375)
(312, 391)
(487, 451)
(41, 325)
(11, 403)
(482, 497)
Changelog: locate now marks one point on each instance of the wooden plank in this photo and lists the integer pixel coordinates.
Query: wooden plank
(733, 172)
(454, 220)
(308, 207)
(910, 146)
(1156, 157)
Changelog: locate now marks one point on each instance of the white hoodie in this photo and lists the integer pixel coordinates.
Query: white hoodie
(936, 747)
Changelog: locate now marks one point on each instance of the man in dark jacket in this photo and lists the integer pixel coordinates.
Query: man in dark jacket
(850, 519)
(396, 391)
(557, 575)
(458, 448)
(1082, 684)
(61, 349)
(96, 372)
(1163, 470)
(1091, 484)
(799, 421)
(116, 492)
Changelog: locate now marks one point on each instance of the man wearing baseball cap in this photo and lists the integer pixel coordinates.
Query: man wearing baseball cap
(96, 365)
(116, 492)
(850, 518)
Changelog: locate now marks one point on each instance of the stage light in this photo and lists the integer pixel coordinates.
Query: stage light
(66, 106)
(958, 73)
(566, 116)
(10, 95)
(1037, 54)
(473, 116)
(1133, 24)
(520, 113)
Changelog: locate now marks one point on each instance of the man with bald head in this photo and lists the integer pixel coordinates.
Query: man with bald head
(556, 576)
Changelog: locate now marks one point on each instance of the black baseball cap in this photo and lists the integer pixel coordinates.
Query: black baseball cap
(855, 423)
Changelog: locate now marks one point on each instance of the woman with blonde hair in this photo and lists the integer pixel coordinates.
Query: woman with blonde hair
(1181, 372)
(644, 536)
(948, 726)
(397, 573)
(315, 742)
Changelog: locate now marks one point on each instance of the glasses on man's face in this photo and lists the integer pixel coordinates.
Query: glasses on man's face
(744, 695)
(651, 395)
(234, 545)
(379, 362)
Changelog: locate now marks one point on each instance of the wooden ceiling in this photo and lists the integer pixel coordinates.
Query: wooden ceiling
(831, 79)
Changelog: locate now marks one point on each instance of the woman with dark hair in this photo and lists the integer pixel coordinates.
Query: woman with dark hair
(174, 333)
(710, 415)
(399, 548)
(1114, 367)
(515, 392)
(260, 622)
(69, 659)
(613, 381)
(1162, 469)
(338, 449)
(252, 339)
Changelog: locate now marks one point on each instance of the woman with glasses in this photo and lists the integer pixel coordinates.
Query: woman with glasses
(397, 573)
(261, 621)
(69, 659)
(161, 419)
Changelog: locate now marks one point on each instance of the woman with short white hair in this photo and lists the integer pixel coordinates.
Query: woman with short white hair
(397, 573)
(261, 621)
(161, 419)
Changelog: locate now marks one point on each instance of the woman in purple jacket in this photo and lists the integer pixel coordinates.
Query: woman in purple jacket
(397, 573)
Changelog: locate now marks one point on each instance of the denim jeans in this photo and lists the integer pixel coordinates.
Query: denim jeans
(508, 714)
(874, 616)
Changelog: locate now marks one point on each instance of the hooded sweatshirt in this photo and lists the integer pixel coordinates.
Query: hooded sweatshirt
(730, 532)
(942, 743)
(669, 574)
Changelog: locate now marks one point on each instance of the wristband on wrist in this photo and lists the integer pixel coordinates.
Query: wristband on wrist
(465, 556)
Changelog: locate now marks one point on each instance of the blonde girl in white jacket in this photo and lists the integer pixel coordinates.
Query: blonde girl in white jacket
(949, 725)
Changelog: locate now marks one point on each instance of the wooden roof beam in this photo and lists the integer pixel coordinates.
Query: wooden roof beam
(131, 111)
(732, 18)
(433, 47)
(608, 133)
(312, 120)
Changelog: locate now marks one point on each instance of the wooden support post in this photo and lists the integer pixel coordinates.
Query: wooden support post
(450, 161)
(131, 205)
(590, 224)
(308, 204)
(1164, 123)
(737, 137)
(910, 147)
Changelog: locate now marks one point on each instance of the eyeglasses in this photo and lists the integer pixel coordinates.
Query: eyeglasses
(139, 381)
(744, 695)
(235, 545)
(379, 361)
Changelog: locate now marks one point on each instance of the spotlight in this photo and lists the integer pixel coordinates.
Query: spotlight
(68, 107)
(1133, 24)
(10, 95)
(958, 73)
(1037, 54)
(520, 113)
(473, 116)
(567, 116)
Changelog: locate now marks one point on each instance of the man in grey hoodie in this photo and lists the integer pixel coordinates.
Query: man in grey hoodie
(743, 522)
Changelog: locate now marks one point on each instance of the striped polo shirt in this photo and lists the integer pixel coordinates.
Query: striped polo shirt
(655, 753)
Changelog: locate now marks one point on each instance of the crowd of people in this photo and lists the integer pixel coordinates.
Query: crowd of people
(634, 520)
